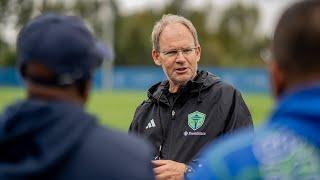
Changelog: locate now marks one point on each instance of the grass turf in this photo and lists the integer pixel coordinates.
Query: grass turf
(116, 108)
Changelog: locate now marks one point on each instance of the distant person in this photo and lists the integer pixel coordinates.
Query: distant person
(191, 108)
(49, 135)
(288, 146)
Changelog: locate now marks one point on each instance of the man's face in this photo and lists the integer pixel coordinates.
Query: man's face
(178, 55)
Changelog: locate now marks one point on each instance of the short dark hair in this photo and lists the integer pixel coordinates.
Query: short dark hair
(296, 43)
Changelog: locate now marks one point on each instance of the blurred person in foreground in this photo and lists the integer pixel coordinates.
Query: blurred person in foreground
(288, 146)
(190, 108)
(49, 135)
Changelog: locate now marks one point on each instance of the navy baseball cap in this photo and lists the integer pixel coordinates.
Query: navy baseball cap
(61, 43)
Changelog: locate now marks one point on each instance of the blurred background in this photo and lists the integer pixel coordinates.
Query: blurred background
(232, 33)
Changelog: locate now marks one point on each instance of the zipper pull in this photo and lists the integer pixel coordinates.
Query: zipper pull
(173, 113)
(158, 157)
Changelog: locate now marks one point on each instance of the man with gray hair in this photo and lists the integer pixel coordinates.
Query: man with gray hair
(191, 108)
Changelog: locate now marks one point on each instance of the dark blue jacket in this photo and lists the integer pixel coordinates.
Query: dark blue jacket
(204, 109)
(287, 147)
(58, 140)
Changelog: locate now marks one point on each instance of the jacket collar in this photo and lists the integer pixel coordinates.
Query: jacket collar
(202, 81)
(302, 102)
(300, 108)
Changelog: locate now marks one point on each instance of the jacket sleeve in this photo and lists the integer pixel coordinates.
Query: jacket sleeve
(133, 128)
(239, 115)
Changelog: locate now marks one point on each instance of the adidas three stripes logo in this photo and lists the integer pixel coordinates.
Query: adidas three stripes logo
(151, 124)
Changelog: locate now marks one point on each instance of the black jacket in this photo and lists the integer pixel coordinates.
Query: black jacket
(58, 140)
(203, 110)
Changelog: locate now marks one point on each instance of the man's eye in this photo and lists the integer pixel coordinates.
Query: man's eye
(187, 51)
(170, 53)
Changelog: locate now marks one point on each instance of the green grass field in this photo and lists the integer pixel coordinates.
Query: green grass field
(116, 108)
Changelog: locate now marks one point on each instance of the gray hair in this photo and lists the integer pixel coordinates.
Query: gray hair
(170, 19)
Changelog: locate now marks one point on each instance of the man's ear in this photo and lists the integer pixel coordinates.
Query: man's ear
(155, 57)
(83, 88)
(198, 52)
(278, 79)
(88, 86)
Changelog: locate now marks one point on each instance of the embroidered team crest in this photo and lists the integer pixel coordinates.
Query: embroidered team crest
(196, 120)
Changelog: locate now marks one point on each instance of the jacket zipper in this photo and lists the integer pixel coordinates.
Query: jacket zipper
(172, 119)
(170, 132)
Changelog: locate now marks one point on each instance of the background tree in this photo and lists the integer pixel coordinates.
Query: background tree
(234, 42)
(237, 37)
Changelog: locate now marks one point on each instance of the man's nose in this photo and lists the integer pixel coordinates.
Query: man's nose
(180, 56)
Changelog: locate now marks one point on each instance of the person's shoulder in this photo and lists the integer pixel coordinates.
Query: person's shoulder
(222, 91)
(227, 156)
(216, 83)
(153, 93)
(236, 145)
(226, 92)
(116, 154)
(122, 143)
(230, 145)
(132, 142)
(225, 87)
(269, 152)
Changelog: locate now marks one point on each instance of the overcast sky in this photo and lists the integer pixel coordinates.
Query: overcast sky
(270, 9)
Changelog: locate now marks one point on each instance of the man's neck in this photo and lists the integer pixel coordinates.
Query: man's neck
(173, 88)
(47, 93)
